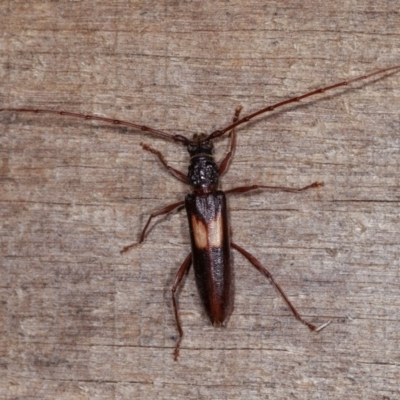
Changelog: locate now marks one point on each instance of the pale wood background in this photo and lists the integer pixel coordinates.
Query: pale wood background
(80, 321)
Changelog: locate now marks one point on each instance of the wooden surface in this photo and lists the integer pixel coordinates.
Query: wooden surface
(81, 321)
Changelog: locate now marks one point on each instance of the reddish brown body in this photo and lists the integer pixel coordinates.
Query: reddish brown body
(207, 212)
(209, 235)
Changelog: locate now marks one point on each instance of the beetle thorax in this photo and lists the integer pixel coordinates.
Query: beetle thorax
(203, 170)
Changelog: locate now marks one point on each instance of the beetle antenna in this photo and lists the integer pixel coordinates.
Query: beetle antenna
(143, 128)
(296, 99)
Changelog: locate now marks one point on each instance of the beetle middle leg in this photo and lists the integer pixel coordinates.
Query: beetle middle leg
(244, 189)
(266, 273)
(164, 210)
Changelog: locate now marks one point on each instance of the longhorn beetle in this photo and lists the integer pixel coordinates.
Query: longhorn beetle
(207, 211)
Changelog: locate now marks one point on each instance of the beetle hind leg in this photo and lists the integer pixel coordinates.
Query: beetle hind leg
(268, 275)
(178, 279)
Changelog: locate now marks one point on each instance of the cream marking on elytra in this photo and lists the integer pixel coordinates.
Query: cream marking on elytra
(215, 231)
(200, 233)
(211, 237)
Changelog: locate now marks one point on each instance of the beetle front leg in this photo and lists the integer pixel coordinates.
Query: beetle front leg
(177, 174)
(165, 210)
(178, 279)
(267, 274)
(226, 161)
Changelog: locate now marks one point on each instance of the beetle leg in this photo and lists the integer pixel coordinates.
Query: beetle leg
(244, 189)
(163, 211)
(266, 273)
(177, 174)
(225, 162)
(178, 279)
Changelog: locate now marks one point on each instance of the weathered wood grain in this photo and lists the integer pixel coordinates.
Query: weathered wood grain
(80, 321)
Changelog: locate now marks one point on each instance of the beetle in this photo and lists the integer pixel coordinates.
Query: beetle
(206, 209)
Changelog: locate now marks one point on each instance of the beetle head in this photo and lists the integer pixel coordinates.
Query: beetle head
(199, 145)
